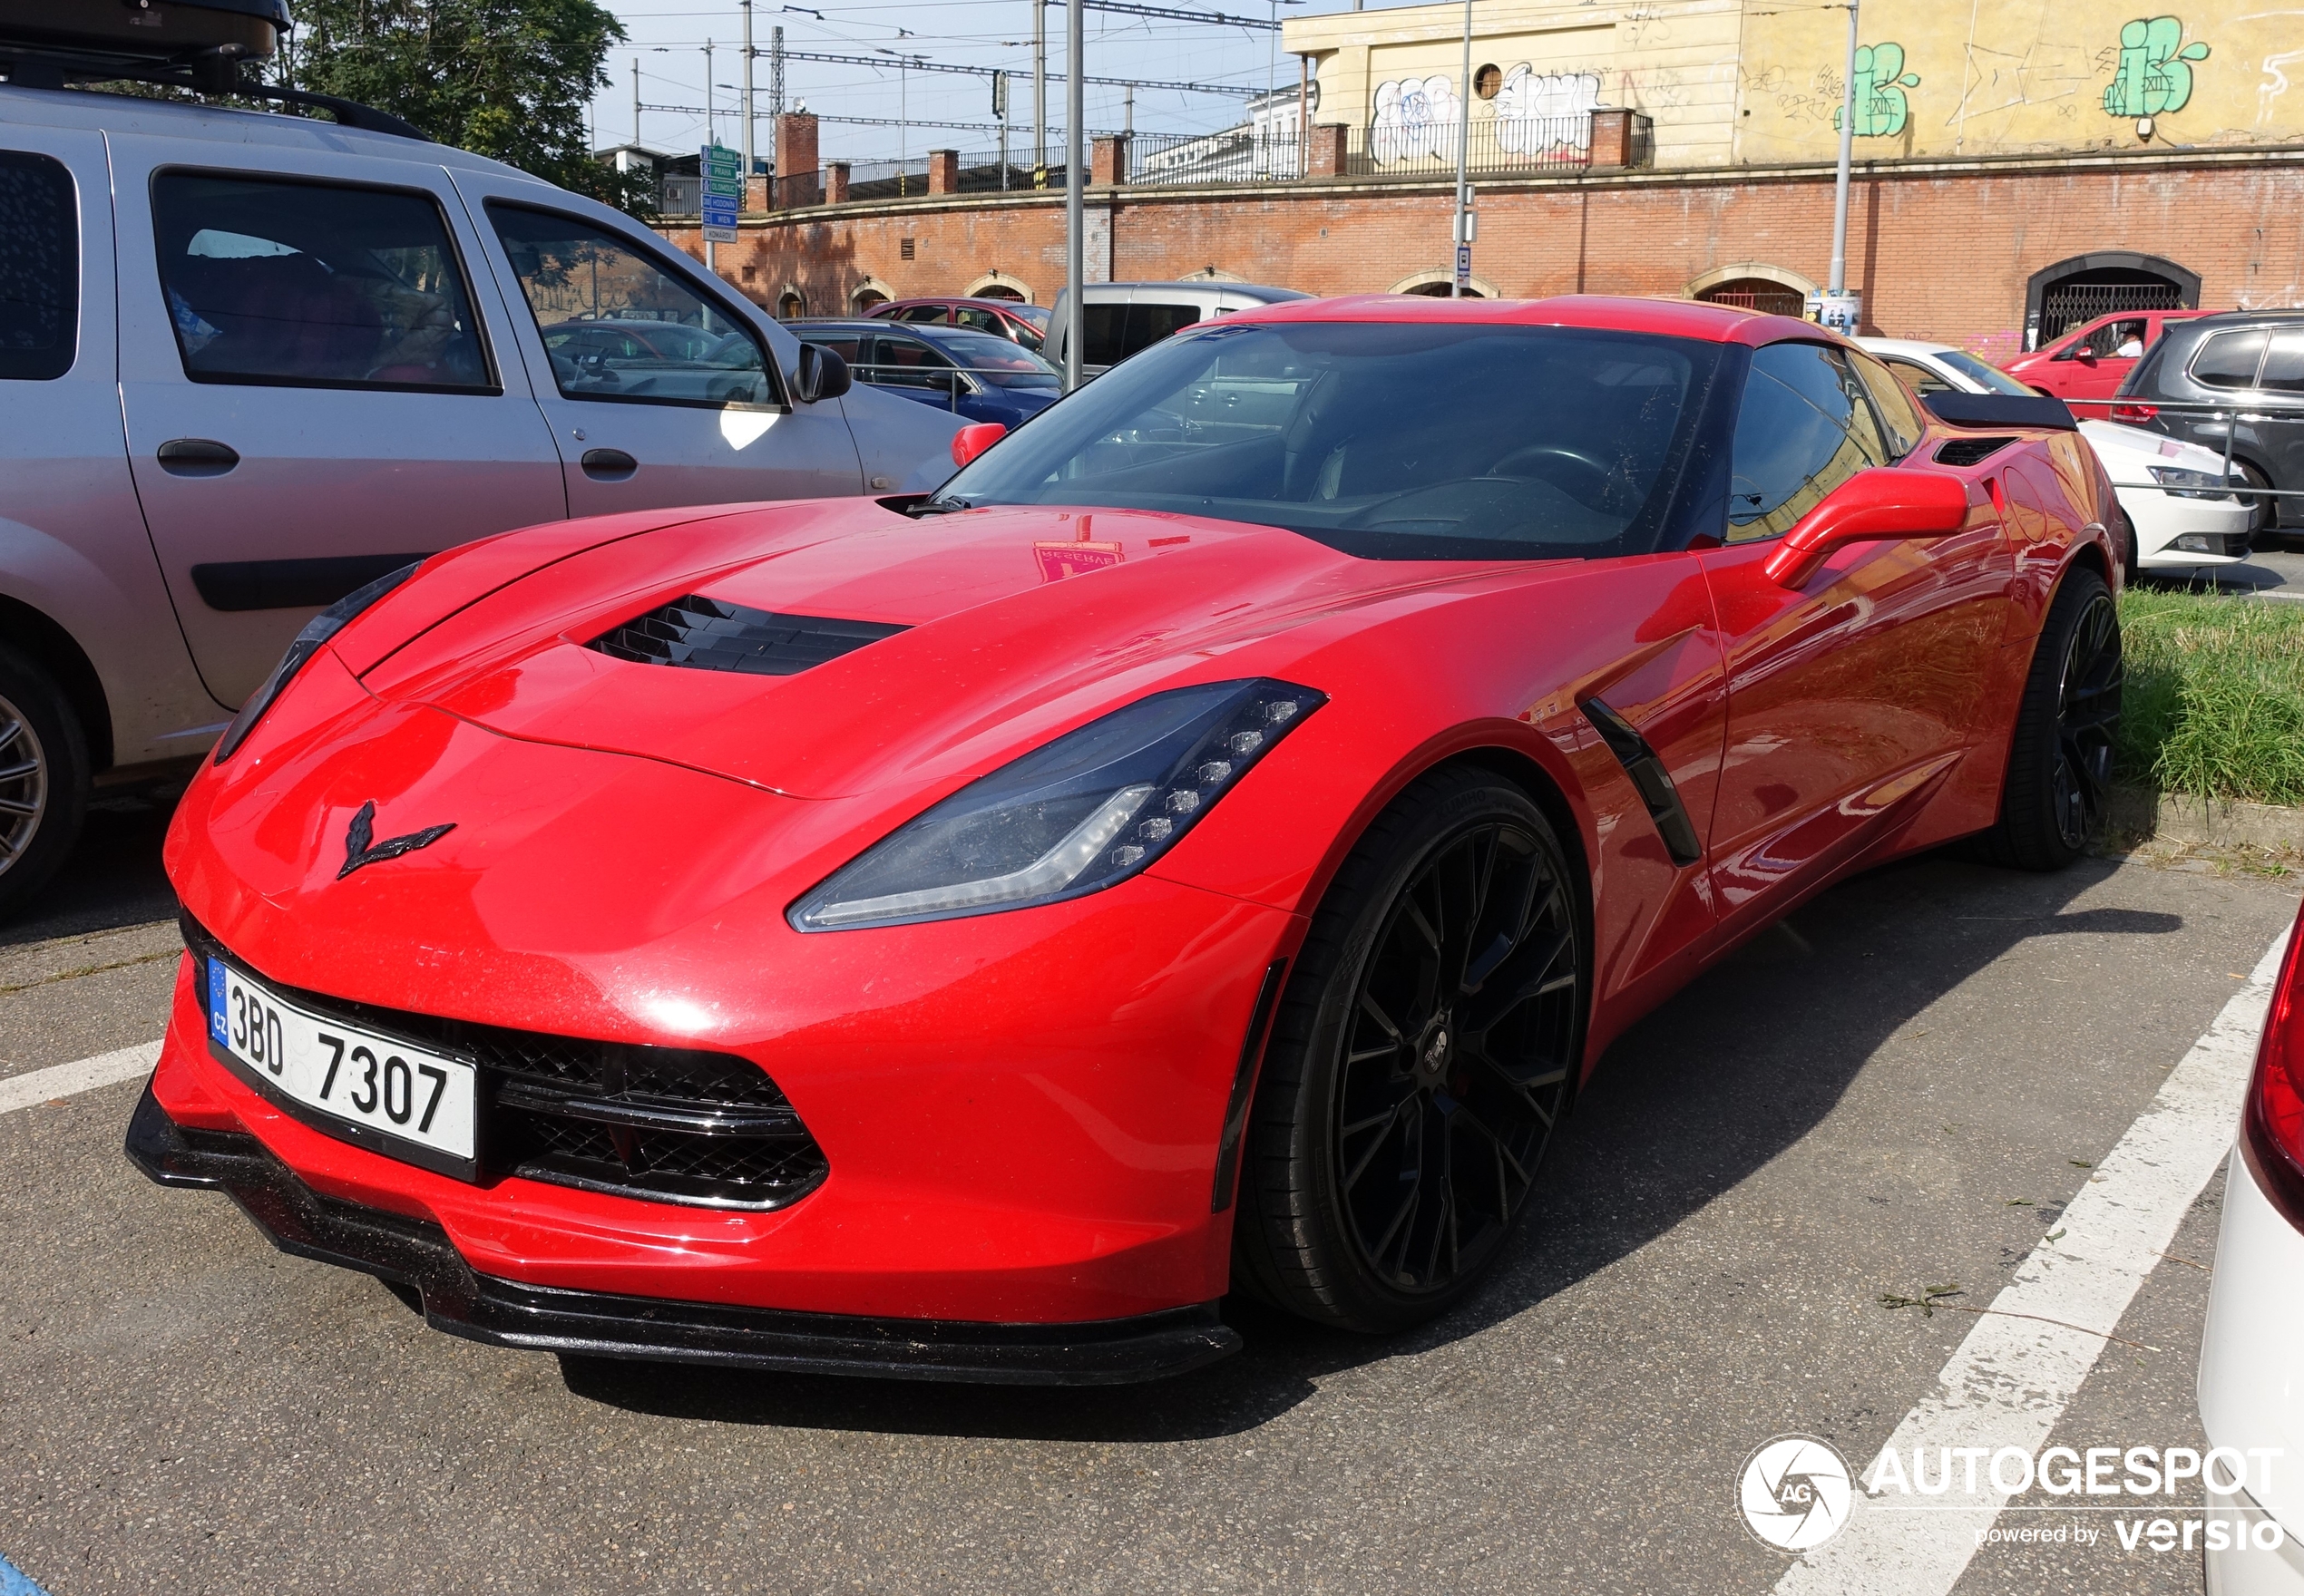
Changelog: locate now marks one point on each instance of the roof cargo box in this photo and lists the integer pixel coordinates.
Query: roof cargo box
(156, 31)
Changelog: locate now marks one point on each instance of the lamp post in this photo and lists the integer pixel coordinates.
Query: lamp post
(1075, 212)
(903, 130)
(747, 100)
(1461, 229)
(1840, 309)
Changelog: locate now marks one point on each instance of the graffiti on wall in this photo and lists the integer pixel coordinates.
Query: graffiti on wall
(1877, 96)
(1536, 114)
(2154, 76)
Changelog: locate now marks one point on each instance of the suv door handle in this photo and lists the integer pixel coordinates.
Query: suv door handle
(197, 457)
(608, 465)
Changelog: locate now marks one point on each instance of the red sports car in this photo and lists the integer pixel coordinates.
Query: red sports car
(1201, 849)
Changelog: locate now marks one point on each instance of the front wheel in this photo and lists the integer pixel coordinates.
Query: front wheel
(2059, 777)
(44, 778)
(1419, 1064)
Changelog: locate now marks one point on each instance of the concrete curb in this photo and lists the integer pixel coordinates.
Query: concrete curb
(2179, 818)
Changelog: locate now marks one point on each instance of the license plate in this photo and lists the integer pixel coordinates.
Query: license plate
(371, 1090)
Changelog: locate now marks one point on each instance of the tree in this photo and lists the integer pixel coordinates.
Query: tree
(507, 79)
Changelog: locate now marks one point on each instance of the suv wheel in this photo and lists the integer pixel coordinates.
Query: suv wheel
(44, 778)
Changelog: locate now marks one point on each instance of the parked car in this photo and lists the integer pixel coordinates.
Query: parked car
(1121, 318)
(2250, 363)
(1200, 848)
(2251, 1361)
(1012, 319)
(972, 375)
(250, 362)
(2179, 518)
(2090, 361)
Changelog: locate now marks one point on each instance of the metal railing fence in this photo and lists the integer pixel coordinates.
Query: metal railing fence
(2232, 415)
(1236, 155)
(1498, 145)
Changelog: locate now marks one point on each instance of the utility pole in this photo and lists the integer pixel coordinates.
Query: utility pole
(636, 103)
(711, 137)
(1075, 213)
(1000, 115)
(747, 100)
(1461, 232)
(1039, 91)
(1838, 310)
(775, 71)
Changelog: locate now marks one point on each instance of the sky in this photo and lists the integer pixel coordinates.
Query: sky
(667, 37)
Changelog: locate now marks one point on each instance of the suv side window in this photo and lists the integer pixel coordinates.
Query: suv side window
(2284, 364)
(620, 326)
(39, 269)
(1100, 329)
(292, 284)
(1801, 431)
(2227, 360)
(1149, 324)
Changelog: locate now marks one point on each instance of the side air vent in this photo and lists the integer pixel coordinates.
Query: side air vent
(1648, 775)
(1970, 451)
(710, 633)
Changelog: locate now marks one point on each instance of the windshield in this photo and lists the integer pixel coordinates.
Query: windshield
(1384, 439)
(996, 361)
(1994, 379)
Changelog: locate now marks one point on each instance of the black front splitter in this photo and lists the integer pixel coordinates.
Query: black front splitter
(417, 1256)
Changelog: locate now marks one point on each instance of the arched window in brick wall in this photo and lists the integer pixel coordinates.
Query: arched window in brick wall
(1760, 294)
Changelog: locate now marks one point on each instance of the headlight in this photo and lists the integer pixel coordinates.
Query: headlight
(2177, 477)
(316, 631)
(1092, 808)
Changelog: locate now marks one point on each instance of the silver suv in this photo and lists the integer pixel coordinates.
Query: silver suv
(249, 362)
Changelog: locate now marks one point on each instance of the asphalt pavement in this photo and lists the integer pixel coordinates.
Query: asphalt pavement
(1901, 1088)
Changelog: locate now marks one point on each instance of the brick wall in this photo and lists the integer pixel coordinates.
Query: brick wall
(1941, 249)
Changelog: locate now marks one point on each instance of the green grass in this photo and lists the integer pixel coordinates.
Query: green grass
(2214, 706)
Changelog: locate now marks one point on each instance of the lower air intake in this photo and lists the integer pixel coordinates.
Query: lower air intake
(711, 634)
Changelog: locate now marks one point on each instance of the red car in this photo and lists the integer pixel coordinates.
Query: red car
(2090, 361)
(1012, 319)
(1203, 848)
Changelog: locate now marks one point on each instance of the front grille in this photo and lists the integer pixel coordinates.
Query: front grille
(1970, 451)
(671, 1124)
(710, 633)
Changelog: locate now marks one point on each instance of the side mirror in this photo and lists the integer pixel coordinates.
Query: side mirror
(823, 374)
(1885, 502)
(973, 439)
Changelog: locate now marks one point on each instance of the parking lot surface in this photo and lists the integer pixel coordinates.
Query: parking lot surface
(1902, 1087)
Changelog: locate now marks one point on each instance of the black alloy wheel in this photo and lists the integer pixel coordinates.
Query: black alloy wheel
(2057, 790)
(2088, 721)
(1422, 1060)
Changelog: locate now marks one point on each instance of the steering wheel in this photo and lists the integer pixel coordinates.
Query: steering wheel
(1534, 453)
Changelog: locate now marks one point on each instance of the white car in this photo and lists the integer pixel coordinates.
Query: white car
(2251, 1361)
(2167, 487)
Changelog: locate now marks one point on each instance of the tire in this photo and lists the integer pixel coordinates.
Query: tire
(2124, 539)
(1399, 1125)
(44, 778)
(2264, 512)
(2059, 773)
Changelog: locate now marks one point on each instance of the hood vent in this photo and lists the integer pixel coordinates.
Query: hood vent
(1970, 451)
(710, 633)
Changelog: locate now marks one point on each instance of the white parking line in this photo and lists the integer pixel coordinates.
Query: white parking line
(2012, 1379)
(63, 1080)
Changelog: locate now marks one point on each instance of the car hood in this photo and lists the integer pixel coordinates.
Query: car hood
(2110, 438)
(1004, 626)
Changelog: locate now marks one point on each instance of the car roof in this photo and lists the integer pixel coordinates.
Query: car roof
(984, 300)
(1679, 319)
(218, 124)
(1916, 346)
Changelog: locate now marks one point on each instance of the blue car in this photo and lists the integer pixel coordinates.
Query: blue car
(971, 374)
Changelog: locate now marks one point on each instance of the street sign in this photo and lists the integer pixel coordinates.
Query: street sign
(722, 192)
(1463, 265)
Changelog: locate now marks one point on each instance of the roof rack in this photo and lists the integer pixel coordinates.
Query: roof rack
(200, 45)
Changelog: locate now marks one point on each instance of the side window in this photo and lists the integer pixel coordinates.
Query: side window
(847, 345)
(2284, 364)
(981, 319)
(2229, 360)
(1924, 382)
(1900, 419)
(1101, 339)
(312, 285)
(622, 326)
(1149, 324)
(1799, 435)
(39, 269)
(2116, 340)
(908, 363)
(922, 313)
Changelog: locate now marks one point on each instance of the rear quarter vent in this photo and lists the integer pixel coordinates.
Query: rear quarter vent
(1969, 451)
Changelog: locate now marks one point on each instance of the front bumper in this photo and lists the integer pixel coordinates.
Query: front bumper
(417, 1256)
(2252, 1381)
(2215, 530)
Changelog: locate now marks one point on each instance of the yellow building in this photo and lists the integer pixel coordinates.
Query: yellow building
(1759, 82)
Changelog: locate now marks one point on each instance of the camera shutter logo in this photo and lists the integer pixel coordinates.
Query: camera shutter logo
(1794, 1492)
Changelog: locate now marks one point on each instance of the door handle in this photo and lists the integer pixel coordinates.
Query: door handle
(197, 457)
(608, 465)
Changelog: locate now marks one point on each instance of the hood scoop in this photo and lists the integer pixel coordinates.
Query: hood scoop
(711, 634)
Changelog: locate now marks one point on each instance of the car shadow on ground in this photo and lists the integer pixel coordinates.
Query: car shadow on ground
(113, 877)
(1701, 1094)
